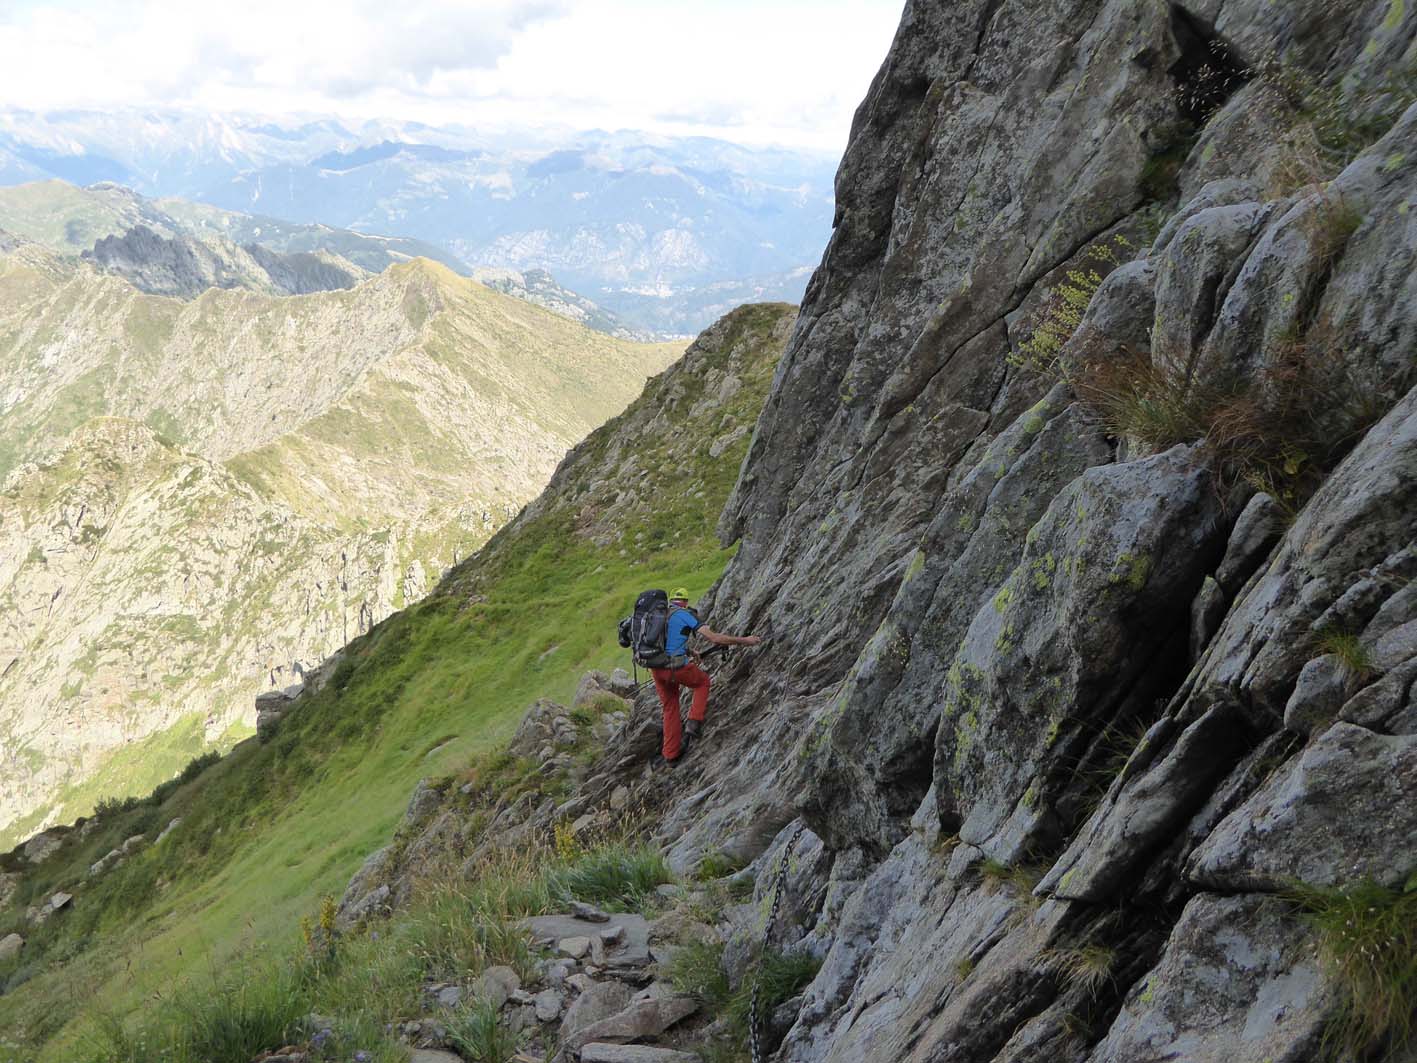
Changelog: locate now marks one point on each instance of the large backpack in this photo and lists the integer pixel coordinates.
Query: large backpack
(644, 632)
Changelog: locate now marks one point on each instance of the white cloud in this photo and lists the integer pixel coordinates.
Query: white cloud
(770, 71)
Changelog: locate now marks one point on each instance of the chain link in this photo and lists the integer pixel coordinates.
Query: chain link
(778, 880)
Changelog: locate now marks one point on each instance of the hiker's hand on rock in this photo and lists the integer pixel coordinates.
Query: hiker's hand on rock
(752, 640)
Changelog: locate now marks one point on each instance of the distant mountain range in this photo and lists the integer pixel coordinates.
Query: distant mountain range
(663, 231)
(177, 247)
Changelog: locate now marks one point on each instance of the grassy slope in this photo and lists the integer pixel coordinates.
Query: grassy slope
(274, 826)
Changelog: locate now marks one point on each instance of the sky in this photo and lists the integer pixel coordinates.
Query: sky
(759, 72)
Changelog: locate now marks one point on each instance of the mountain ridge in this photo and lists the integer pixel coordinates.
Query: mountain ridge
(280, 515)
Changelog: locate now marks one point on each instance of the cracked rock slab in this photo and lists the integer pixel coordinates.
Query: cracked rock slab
(1237, 981)
(1344, 810)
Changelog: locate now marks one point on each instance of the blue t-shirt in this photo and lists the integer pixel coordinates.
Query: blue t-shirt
(682, 623)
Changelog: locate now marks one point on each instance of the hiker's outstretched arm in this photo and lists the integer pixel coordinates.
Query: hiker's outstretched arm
(719, 639)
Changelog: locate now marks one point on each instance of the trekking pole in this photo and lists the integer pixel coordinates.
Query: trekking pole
(778, 880)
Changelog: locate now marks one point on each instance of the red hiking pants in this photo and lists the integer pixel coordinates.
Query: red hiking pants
(667, 682)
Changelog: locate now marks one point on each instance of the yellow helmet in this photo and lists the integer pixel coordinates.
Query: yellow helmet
(679, 594)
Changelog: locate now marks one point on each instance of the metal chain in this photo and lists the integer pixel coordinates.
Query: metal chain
(778, 881)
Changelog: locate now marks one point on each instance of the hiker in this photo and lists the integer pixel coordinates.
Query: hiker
(684, 671)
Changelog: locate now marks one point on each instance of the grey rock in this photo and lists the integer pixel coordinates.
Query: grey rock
(1320, 692)
(620, 798)
(597, 1001)
(592, 685)
(60, 900)
(1238, 979)
(642, 1020)
(1396, 646)
(574, 947)
(588, 913)
(450, 996)
(1077, 623)
(1379, 705)
(496, 985)
(537, 728)
(614, 1053)
(130, 844)
(374, 902)
(1207, 610)
(548, 1005)
(1258, 528)
(10, 946)
(355, 903)
(1343, 811)
(621, 683)
(172, 825)
(425, 800)
(43, 845)
(1196, 273)
(111, 859)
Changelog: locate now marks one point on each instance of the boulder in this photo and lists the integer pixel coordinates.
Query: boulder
(537, 728)
(613, 1053)
(425, 800)
(642, 1020)
(496, 985)
(599, 1000)
(593, 685)
(357, 902)
(621, 684)
(589, 913)
(548, 1004)
(10, 945)
(112, 858)
(42, 845)
(172, 825)
(574, 947)
(1207, 610)
(271, 708)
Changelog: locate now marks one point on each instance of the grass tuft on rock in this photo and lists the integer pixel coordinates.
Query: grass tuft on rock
(1087, 967)
(697, 969)
(1354, 657)
(1367, 936)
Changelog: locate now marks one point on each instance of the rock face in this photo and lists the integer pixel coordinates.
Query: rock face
(1020, 643)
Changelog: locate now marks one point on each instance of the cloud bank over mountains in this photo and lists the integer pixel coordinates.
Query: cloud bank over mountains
(773, 72)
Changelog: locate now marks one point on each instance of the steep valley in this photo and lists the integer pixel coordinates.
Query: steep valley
(205, 499)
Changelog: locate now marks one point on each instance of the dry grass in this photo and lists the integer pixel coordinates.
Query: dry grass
(1281, 430)
(1088, 967)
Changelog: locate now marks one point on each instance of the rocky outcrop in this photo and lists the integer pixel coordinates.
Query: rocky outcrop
(184, 266)
(1051, 687)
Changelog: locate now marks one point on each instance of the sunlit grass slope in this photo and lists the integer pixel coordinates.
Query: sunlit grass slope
(272, 827)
